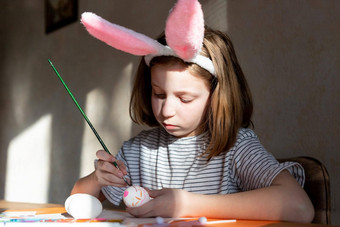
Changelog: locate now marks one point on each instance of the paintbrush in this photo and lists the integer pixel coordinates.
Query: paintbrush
(125, 178)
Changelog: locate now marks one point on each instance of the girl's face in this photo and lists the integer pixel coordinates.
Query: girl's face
(178, 99)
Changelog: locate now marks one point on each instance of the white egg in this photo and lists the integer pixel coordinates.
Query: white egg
(83, 206)
(135, 196)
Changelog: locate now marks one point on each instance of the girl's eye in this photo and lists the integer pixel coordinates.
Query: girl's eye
(185, 100)
(160, 96)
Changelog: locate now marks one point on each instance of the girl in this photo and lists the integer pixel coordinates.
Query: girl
(201, 158)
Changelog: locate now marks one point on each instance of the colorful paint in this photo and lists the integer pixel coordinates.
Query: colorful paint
(135, 196)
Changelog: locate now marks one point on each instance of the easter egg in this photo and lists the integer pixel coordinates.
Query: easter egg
(83, 206)
(135, 196)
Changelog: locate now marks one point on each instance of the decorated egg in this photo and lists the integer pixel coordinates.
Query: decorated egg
(135, 196)
(83, 206)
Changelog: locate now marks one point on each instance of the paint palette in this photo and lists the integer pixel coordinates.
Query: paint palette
(135, 196)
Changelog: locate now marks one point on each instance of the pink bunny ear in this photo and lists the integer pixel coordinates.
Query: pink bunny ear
(185, 29)
(119, 37)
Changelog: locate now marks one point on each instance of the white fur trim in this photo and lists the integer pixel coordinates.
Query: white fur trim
(200, 60)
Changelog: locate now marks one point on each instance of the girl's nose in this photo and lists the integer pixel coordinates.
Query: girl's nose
(168, 108)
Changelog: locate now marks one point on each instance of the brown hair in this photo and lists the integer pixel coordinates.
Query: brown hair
(230, 106)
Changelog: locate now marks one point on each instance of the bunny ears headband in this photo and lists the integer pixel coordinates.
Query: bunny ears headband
(184, 33)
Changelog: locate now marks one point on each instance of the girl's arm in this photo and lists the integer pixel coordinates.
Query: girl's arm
(283, 200)
(105, 174)
(88, 185)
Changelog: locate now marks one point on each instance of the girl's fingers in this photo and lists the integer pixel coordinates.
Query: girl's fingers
(153, 193)
(106, 178)
(115, 181)
(122, 167)
(109, 168)
(141, 212)
(108, 172)
(105, 162)
(103, 155)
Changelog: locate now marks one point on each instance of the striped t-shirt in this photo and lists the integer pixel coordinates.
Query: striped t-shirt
(156, 159)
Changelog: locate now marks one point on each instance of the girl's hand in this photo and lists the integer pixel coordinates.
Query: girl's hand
(165, 203)
(106, 173)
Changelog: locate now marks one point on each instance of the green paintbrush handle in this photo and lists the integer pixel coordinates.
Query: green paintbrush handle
(85, 117)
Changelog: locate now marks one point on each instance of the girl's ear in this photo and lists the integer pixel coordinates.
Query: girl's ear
(185, 29)
(119, 37)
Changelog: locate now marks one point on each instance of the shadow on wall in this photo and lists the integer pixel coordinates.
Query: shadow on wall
(44, 142)
(53, 150)
(3, 105)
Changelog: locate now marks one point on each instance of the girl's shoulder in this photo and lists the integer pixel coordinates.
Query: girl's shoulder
(246, 141)
(245, 134)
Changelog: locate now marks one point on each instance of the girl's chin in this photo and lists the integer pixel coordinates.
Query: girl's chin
(179, 134)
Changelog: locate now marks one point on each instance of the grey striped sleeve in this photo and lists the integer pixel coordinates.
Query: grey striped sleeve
(253, 167)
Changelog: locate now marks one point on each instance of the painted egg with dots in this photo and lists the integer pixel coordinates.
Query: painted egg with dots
(135, 196)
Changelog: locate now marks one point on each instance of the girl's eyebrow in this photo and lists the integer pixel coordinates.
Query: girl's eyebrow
(153, 84)
(179, 92)
(185, 93)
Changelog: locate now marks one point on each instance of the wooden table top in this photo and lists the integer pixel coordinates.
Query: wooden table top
(58, 208)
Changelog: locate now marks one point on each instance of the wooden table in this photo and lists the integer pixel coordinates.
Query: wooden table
(39, 208)
(57, 208)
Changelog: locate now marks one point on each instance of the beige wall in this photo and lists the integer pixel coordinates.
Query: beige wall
(289, 51)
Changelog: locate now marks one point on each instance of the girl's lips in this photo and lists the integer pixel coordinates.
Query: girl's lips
(169, 126)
